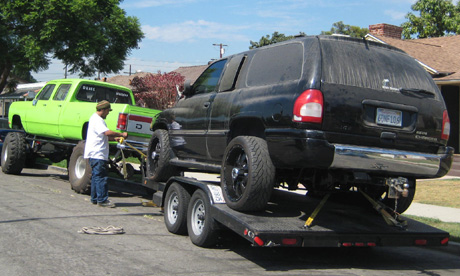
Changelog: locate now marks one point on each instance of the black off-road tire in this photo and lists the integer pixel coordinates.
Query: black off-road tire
(247, 174)
(202, 228)
(79, 170)
(158, 156)
(175, 209)
(14, 153)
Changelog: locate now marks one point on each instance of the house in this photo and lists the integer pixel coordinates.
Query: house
(191, 72)
(440, 56)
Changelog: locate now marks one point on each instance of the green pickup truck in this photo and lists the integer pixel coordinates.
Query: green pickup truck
(55, 125)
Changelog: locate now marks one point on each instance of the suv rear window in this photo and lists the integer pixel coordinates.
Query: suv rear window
(93, 93)
(366, 65)
(276, 64)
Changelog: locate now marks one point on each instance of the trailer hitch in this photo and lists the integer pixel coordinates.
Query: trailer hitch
(397, 187)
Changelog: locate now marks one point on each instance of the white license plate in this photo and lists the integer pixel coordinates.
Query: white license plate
(389, 117)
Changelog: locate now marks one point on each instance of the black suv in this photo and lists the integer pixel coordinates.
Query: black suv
(328, 113)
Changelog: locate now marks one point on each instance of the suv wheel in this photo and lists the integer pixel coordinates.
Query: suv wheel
(158, 156)
(14, 153)
(247, 174)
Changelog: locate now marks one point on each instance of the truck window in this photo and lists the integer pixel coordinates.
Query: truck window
(62, 92)
(94, 93)
(231, 73)
(276, 64)
(207, 81)
(46, 92)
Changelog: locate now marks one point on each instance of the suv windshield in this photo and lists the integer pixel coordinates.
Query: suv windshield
(367, 65)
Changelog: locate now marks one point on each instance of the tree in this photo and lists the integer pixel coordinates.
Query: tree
(88, 35)
(157, 91)
(341, 28)
(267, 40)
(436, 18)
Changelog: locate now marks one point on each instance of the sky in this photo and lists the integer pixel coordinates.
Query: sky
(184, 32)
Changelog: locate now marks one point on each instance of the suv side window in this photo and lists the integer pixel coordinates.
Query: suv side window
(62, 92)
(231, 73)
(46, 92)
(276, 65)
(207, 82)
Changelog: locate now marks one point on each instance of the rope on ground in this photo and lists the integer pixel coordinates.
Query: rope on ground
(109, 230)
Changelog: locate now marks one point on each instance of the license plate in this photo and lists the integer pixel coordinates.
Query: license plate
(388, 117)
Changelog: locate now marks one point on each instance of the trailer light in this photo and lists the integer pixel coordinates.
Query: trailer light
(421, 242)
(359, 244)
(347, 244)
(122, 121)
(289, 241)
(259, 241)
(444, 241)
(372, 244)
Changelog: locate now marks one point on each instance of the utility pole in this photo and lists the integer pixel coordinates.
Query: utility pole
(222, 50)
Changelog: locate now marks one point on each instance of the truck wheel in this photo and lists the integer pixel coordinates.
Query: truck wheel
(247, 174)
(175, 211)
(158, 156)
(202, 228)
(79, 170)
(403, 202)
(14, 153)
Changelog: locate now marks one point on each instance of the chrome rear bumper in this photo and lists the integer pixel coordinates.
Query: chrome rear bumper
(397, 162)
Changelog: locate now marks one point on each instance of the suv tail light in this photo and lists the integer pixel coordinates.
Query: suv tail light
(445, 126)
(309, 107)
(122, 121)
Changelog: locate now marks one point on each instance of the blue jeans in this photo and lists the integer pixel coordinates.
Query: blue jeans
(99, 187)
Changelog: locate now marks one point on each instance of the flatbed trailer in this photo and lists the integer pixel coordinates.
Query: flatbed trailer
(197, 208)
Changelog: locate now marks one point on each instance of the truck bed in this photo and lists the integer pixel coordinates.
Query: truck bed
(344, 220)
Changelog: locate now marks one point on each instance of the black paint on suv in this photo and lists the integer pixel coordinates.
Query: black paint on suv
(330, 114)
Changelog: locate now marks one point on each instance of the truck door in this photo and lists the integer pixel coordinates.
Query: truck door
(191, 117)
(37, 116)
(55, 108)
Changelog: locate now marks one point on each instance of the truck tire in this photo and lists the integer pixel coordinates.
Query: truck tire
(175, 209)
(202, 228)
(14, 153)
(247, 174)
(403, 202)
(79, 170)
(158, 156)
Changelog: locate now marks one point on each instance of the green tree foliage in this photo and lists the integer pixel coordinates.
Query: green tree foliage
(436, 18)
(88, 35)
(343, 29)
(267, 40)
(157, 91)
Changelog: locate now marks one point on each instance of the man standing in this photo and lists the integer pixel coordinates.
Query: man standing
(97, 150)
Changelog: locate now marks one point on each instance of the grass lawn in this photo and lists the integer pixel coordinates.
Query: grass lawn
(438, 192)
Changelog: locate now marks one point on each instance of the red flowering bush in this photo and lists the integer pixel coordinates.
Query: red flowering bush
(157, 91)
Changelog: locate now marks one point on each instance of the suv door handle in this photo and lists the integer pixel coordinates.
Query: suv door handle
(206, 104)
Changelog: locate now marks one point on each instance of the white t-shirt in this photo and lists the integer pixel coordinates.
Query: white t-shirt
(97, 143)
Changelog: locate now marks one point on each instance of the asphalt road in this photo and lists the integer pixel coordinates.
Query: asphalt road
(40, 217)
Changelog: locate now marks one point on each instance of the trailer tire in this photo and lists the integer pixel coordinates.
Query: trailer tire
(158, 155)
(202, 228)
(403, 202)
(247, 174)
(14, 153)
(79, 170)
(175, 209)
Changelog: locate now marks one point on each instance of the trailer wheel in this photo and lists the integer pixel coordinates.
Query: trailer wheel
(202, 228)
(79, 170)
(175, 211)
(247, 174)
(14, 153)
(158, 156)
(403, 202)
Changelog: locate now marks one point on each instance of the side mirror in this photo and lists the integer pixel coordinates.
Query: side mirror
(34, 102)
